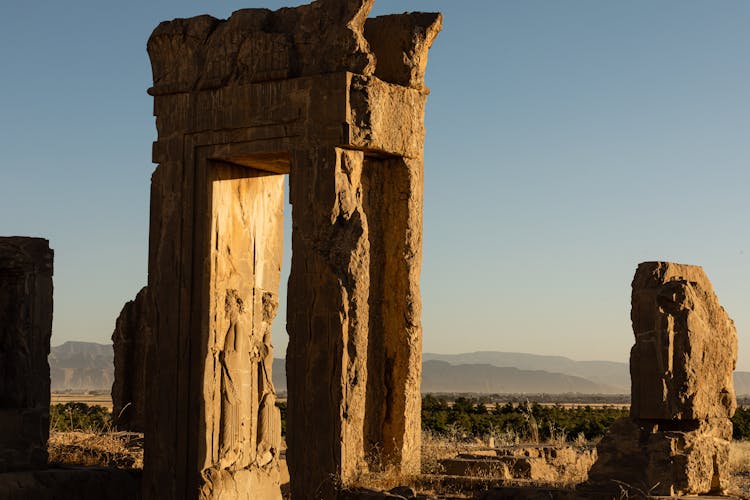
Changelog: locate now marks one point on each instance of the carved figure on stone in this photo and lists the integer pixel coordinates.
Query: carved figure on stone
(236, 388)
(269, 416)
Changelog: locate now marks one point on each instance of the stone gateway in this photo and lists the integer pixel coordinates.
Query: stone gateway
(336, 101)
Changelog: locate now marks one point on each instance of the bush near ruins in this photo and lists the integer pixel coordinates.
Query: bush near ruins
(79, 416)
(465, 417)
(473, 418)
(477, 418)
(741, 424)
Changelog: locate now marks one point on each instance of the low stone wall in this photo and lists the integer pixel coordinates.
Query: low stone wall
(67, 483)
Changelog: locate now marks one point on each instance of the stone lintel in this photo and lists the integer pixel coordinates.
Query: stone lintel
(341, 109)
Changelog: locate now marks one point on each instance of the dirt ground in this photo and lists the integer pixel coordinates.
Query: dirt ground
(90, 398)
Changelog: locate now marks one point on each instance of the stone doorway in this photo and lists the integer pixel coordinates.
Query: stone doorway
(243, 230)
(239, 102)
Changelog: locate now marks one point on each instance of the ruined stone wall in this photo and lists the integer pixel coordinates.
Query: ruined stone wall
(676, 440)
(130, 340)
(25, 330)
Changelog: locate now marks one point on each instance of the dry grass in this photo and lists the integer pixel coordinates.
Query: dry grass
(122, 450)
(739, 468)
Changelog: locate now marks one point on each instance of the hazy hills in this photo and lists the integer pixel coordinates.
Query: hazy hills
(614, 377)
(610, 376)
(441, 376)
(81, 366)
(88, 366)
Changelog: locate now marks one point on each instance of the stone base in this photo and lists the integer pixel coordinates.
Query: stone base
(663, 457)
(245, 484)
(23, 440)
(64, 484)
(535, 463)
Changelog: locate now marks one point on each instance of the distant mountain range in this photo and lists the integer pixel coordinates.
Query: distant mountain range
(613, 377)
(82, 366)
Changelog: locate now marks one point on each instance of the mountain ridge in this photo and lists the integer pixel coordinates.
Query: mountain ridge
(84, 366)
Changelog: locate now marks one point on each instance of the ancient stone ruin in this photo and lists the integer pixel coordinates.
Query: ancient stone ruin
(336, 101)
(523, 462)
(131, 339)
(676, 440)
(25, 330)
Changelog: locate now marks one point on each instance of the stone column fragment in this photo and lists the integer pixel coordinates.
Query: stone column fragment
(131, 339)
(25, 330)
(336, 101)
(685, 348)
(676, 440)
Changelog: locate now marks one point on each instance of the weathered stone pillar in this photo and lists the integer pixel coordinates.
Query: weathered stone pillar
(25, 330)
(676, 440)
(354, 318)
(130, 342)
(327, 321)
(239, 102)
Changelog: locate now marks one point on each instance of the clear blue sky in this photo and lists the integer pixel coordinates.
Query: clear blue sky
(567, 141)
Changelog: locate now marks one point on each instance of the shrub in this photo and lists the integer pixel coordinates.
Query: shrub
(471, 418)
(79, 417)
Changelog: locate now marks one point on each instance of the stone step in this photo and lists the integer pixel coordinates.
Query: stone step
(500, 467)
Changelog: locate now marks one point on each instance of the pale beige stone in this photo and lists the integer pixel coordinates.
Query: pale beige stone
(400, 43)
(25, 330)
(676, 440)
(130, 341)
(666, 458)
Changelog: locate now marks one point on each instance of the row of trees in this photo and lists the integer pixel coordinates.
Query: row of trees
(463, 418)
(471, 418)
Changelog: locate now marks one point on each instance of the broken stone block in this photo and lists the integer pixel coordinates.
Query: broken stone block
(685, 345)
(534, 463)
(25, 330)
(664, 458)
(676, 440)
(130, 341)
(400, 43)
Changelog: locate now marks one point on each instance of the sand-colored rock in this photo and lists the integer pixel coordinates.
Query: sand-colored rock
(131, 339)
(239, 103)
(665, 458)
(533, 462)
(676, 440)
(400, 43)
(25, 330)
(686, 346)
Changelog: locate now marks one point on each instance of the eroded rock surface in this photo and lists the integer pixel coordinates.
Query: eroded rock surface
(685, 352)
(25, 330)
(131, 339)
(676, 440)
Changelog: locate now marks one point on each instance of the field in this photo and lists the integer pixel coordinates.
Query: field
(91, 398)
